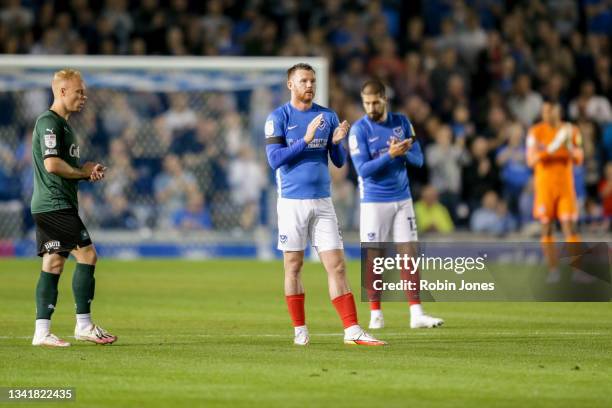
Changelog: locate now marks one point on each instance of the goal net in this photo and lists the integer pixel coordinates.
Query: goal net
(182, 139)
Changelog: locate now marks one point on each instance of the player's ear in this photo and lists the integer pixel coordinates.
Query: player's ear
(289, 84)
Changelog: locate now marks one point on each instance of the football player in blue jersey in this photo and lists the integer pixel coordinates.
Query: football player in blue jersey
(300, 136)
(380, 144)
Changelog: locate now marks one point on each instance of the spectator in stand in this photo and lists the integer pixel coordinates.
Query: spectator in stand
(590, 105)
(117, 213)
(194, 216)
(9, 182)
(247, 180)
(431, 216)
(173, 186)
(525, 103)
(492, 217)
(462, 126)
(511, 160)
(179, 120)
(525, 204)
(480, 174)
(444, 160)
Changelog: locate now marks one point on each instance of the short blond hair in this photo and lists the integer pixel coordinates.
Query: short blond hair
(66, 74)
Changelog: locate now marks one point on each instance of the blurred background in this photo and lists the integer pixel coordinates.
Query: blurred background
(187, 170)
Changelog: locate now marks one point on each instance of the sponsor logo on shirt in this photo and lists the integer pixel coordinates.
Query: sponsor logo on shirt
(74, 151)
(50, 151)
(52, 245)
(317, 143)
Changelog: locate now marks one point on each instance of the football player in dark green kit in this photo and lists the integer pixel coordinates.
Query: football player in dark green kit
(59, 230)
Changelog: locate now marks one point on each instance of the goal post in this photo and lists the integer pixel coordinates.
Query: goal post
(157, 122)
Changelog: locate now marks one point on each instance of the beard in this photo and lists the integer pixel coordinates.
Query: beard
(306, 96)
(376, 116)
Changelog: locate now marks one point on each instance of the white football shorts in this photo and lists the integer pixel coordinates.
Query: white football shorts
(314, 220)
(388, 222)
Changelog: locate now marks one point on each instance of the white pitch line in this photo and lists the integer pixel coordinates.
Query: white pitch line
(422, 332)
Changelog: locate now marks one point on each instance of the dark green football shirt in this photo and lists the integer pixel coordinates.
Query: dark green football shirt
(53, 137)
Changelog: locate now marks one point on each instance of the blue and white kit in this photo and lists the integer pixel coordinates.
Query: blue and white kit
(387, 213)
(305, 210)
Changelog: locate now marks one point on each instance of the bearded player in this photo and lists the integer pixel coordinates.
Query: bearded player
(300, 136)
(59, 230)
(381, 143)
(553, 147)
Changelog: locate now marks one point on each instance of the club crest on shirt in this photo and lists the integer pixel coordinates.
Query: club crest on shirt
(50, 138)
(322, 124)
(398, 131)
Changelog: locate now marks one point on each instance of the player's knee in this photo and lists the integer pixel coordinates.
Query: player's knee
(92, 257)
(88, 256)
(293, 266)
(54, 264)
(338, 268)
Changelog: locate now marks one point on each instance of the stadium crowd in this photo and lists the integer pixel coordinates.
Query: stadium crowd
(471, 75)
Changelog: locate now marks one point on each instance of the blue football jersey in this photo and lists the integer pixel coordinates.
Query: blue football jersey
(301, 170)
(381, 178)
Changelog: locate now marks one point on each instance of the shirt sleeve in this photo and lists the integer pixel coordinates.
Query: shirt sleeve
(277, 151)
(51, 135)
(337, 152)
(414, 156)
(360, 154)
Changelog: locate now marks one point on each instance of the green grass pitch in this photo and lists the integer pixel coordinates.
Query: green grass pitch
(212, 333)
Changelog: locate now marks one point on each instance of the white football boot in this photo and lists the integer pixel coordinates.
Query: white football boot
(362, 338)
(301, 336)
(49, 340)
(377, 321)
(425, 322)
(94, 334)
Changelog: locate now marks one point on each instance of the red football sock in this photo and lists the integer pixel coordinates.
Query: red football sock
(412, 295)
(373, 294)
(295, 304)
(345, 306)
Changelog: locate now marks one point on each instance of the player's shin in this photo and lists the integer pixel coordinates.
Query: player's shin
(346, 309)
(295, 305)
(46, 300)
(413, 295)
(83, 288)
(46, 295)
